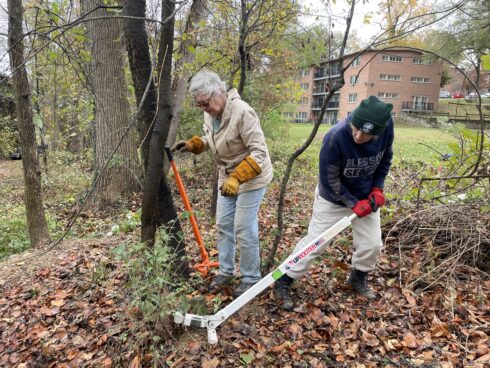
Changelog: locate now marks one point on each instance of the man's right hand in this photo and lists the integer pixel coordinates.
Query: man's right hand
(194, 145)
(362, 208)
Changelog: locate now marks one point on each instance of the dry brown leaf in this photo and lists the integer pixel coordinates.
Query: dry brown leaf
(410, 299)
(213, 363)
(342, 265)
(107, 362)
(58, 302)
(78, 340)
(484, 359)
(279, 348)
(439, 329)
(49, 311)
(135, 363)
(320, 347)
(410, 341)
(340, 358)
(60, 294)
(316, 315)
(369, 338)
(389, 344)
(351, 352)
(72, 353)
(296, 330)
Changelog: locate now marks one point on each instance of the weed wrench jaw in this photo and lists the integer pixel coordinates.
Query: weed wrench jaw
(178, 318)
(189, 320)
(208, 322)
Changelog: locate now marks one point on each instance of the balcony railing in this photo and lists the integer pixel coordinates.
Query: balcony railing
(417, 106)
(333, 73)
(318, 91)
(330, 105)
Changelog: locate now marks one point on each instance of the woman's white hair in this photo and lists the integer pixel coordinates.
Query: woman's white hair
(206, 83)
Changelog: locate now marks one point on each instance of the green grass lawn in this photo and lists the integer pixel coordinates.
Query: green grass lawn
(463, 107)
(412, 143)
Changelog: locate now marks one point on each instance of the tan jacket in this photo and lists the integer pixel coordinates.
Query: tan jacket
(238, 136)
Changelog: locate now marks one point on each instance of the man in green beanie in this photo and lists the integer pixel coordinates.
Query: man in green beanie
(354, 160)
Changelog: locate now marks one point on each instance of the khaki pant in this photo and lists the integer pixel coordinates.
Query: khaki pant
(366, 236)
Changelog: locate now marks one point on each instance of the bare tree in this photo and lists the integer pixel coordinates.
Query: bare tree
(36, 220)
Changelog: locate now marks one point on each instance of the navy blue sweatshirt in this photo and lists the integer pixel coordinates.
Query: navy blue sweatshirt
(349, 171)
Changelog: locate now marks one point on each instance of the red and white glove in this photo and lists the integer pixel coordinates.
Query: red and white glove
(362, 208)
(379, 198)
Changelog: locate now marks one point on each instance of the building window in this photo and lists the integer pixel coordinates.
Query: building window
(352, 97)
(304, 73)
(305, 86)
(320, 88)
(389, 77)
(392, 58)
(304, 100)
(420, 61)
(388, 95)
(288, 115)
(353, 79)
(356, 61)
(420, 80)
(300, 117)
(393, 114)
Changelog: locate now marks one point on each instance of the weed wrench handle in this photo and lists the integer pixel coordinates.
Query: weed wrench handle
(187, 204)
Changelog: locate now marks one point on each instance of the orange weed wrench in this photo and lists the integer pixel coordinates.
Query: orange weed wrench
(204, 267)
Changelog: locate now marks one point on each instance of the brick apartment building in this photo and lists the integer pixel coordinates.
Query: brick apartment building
(399, 76)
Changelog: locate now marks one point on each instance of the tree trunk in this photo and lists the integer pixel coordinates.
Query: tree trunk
(181, 71)
(241, 47)
(136, 40)
(157, 206)
(112, 113)
(36, 220)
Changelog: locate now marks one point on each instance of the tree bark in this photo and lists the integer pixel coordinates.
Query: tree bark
(157, 206)
(36, 220)
(136, 39)
(112, 113)
(181, 70)
(242, 48)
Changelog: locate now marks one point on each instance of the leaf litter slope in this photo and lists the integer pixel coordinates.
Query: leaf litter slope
(71, 310)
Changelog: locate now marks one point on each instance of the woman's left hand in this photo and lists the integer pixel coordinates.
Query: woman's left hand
(230, 187)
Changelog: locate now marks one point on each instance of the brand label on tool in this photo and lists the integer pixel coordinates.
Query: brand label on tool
(303, 254)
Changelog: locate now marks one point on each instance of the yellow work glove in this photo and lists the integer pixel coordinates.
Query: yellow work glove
(194, 145)
(245, 171)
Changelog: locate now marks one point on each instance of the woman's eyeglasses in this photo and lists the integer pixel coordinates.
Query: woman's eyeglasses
(204, 103)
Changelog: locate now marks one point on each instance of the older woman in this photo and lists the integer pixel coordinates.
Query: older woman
(232, 132)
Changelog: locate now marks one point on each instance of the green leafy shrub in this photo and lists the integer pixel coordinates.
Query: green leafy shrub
(275, 126)
(14, 237)
(154, 290)
(130, 222)
(191, 122)
(9, 138)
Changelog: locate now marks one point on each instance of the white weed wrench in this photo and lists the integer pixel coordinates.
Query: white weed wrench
(211, 322)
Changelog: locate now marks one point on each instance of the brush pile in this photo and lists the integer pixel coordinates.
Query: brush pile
(443, 240)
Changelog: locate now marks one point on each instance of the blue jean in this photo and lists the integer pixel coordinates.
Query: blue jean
(237, 224)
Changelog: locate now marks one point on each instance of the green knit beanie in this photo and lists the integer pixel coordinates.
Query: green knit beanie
(371, 116)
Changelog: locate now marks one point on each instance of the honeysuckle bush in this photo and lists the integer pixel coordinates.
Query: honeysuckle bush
(155, 291)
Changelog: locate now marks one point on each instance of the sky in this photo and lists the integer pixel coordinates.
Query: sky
(4, 59)
(339, 13)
